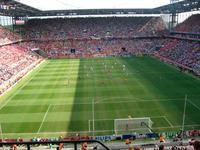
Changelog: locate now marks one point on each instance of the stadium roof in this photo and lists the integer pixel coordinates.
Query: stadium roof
(17, 9)
(180, 7)
(45, 5)
(13, 8)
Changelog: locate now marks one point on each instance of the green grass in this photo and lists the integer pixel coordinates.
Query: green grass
(57, 97)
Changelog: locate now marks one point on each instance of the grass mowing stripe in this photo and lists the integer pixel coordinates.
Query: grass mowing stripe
(86, 131)
(43, 119)
(146, 88)
(29, 79)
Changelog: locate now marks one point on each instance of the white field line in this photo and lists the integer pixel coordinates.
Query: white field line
(60, 132)
(178, 126)
(135, 98)
(101, 119)
(89, 125)
(157, 117)
(89, 121)
(10, 88)
(116, 118)
(193, 104)
(1, 132)
(19, 89)
(97, 131)
(43, 119)
(113, 102)
(147, 100)
(171, 125)
(130, 99)
(100, 100)
(68, 73)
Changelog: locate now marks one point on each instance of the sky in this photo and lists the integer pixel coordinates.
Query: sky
(92, 4)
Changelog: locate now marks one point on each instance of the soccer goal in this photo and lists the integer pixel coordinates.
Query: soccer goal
(132, 125)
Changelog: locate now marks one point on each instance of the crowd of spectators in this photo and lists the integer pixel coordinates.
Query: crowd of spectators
(97, 48)
(90, 37)
(15, 62)
(73, 37)
(183, 52)
(7, 36)
(193, 145)
(113, 36)
(94, 37)
(101, 27)
(191, 25)
(183, 49)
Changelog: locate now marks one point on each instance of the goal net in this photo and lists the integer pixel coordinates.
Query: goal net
(132, 125)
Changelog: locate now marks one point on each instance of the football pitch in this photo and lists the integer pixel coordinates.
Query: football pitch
(69, 96)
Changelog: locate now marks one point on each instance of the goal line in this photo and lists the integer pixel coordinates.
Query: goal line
(144, 124)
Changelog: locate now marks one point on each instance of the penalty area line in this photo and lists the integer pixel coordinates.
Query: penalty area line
(43, 119)
(98, 131)
(193, 104)
(171, 125)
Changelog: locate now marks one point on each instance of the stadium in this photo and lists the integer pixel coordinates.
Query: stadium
(99, 76)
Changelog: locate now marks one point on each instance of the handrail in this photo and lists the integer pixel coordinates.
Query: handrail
(75, 142)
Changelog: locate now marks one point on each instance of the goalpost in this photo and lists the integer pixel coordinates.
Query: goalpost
(132, 125)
